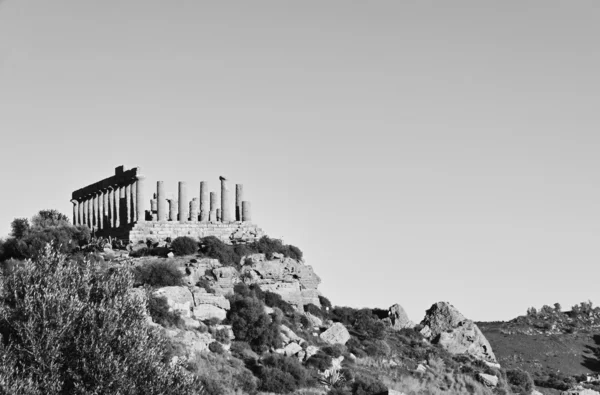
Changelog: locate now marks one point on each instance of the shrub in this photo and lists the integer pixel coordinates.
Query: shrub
(281, 374)
(158, 273)
(520, 381)
(319, 361)
(216, 347)
(334, 351)
(184, 246)
(140, 252)
(222, 335)
(314, 310)
(274, 300)
(324, 302)
(70, 328)
(367, 386)
(250, 323)
(159, 310)
(212, 247)
(19, 227)
(268, 246)
(49, 218)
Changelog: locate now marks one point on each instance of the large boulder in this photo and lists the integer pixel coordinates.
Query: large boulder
(337, 333)
(224, 279)
(197, 268)
(194, 302)
(296, 282)
(445, 325)
(178, 298)
(399, 318)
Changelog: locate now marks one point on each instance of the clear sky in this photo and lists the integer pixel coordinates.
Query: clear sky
(416, 151)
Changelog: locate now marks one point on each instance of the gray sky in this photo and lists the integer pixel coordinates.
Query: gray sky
(415, 151)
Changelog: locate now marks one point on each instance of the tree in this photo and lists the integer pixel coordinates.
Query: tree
(49, 218)
(69, 328)
(19, 227)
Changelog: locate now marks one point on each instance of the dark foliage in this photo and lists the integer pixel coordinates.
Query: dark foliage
(158, 308)
(159, 273)
(19, 228)
(520, 381)
(314, 310)
(367, 386)
(274, 300)
(184, 246)
(281, 374)
(319, 361)
(250, 323)
(216, 347)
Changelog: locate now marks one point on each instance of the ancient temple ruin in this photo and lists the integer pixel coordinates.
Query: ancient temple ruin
(116, 207)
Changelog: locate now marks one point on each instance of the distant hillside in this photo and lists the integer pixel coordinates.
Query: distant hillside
(557, 348)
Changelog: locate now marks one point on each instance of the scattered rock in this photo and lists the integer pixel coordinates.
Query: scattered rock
(488, 380)
(208, 311)
(291, 349)
(449, 328)
(337, 333)
(314, 320)
(170, 255)
(311, 350)
(421, 369)
(178, 298)
(399, 318)
(580, 391)
(290, 334)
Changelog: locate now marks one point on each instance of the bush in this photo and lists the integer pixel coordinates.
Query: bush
(281, 374)
(250, 323)
(159, 310)
(216, 347)
(214, 248)
(268, 246)
(314, 310)
(274, 300)
(319, 361)
(367, 386)
(520, 381)
(70, 328)
(184, 246)
(324, 302)
(158, 273)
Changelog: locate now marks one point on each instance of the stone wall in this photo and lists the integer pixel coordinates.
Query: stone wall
(230, 233)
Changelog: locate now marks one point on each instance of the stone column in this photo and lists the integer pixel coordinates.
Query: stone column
(110, 210)
(204, 201)
(219, 217)
(161, 201)
(84, 212)
(226, 213)
(172, 210)
(183, 202)
(80, 219)
(246, 214)
(239, 197)
(100, 223)
(75, 211)
(212, 216)
(194, 208)
(128, 204)
(95, 211)
(89, 213)
(134, 201)
(105, 207)
(140, 205)
(117, 198)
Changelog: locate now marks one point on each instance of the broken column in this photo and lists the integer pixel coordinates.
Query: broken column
(183, 203)
(194, 208)
(246, 214)
(161, 199)
(140, 210)
(226, 214)
(204, 201)
(239, 197)
(212, 216)
(154, 208)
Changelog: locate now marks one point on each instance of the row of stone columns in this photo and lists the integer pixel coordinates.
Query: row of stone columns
(112, 207)
(203, 208)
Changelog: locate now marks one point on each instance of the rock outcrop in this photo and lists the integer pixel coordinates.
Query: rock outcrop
(488, 380)
(445, 325)
(337, 333)
(194, 302)
(580, 391)
(399, 318)
(296, 282)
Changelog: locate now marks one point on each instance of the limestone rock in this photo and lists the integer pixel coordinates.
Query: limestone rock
(314, 320)
(399, 318)
(296, 282)
(421, 369)
(225, 278)
(580, 391)
(202, 297)
(194, 271)
(291, 349)
(208, 311)
(488, 379)
(192, 341)
(394, 392)
(337, 333)
(178, 298)
(290, 334)
(311, 350)
(536, 392)
(445, 325)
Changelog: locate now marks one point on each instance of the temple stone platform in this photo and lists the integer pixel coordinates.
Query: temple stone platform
(230, 233)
